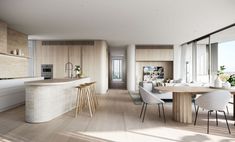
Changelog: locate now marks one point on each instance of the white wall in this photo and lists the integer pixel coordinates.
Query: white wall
(131, 68)
(103, 67)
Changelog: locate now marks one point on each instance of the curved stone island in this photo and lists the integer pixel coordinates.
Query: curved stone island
(48, 99)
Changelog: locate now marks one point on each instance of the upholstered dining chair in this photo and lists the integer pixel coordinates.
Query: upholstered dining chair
(149, 98)
(213, 101)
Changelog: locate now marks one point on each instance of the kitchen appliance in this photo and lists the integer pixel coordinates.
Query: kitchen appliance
(47, 71)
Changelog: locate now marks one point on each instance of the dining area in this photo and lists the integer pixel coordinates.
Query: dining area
(189, 101)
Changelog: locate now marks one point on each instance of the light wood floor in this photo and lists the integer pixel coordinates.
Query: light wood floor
(117, 119)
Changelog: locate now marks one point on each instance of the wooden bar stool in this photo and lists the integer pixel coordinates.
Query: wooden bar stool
(84, 99)
(91, 94)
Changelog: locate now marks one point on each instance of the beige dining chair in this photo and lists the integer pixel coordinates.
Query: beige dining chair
(149, 98)
(213, 101)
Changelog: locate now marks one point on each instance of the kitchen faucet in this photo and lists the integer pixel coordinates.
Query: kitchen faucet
(69, 67)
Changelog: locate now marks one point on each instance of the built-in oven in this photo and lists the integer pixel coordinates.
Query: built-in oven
(47, 71)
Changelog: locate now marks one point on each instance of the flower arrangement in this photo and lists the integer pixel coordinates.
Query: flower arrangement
(226, 77)
(77, 69)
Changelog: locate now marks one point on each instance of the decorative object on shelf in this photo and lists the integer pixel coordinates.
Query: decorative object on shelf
(19, 52)
(15, 52)
(77, 70)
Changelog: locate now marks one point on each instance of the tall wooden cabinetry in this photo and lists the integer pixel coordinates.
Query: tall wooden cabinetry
(91, 57)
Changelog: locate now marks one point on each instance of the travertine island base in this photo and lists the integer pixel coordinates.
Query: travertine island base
(48, 99)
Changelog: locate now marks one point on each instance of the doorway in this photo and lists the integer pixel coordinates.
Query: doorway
(117, 68)
(117, 72)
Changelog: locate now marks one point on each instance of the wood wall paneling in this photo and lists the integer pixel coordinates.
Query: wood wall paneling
(56, 55)
(92, 58)
(11, 67)
(3, 37)
(154, 55)
(17, 40)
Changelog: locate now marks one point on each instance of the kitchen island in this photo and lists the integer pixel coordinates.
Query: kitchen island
(48, 99)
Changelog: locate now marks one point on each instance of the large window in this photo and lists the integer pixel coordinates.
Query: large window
(226, 56)
(117, 69)
(205, 55)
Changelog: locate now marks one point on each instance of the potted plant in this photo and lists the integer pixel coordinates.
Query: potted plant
(77, 70)
(231, 80)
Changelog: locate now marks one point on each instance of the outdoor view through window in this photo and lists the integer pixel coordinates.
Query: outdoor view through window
(226, 56)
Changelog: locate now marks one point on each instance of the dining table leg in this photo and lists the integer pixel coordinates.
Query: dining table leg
(182, 107)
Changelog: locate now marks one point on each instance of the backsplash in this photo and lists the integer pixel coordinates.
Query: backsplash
(13, 67)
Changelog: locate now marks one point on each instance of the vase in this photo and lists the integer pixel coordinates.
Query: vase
(77, 73)
(218, 82)
(226, 85)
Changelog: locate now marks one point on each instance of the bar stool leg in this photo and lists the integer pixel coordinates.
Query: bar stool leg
(95, 96)
(89, 103)
(77, 103)
(92, 98)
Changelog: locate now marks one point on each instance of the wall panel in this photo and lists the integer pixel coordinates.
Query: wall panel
(3, 37)
(154, 54)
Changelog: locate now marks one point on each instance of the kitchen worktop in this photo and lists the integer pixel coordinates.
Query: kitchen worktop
(56, 81)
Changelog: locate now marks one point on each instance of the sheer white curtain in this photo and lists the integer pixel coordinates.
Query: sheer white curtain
(186, 62)
(202, 63)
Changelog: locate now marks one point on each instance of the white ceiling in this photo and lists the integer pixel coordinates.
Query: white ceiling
(120, 22)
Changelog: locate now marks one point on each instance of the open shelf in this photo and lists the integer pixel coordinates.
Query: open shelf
(12, 55)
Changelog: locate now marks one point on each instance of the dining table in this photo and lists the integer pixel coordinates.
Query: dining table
(182, 100)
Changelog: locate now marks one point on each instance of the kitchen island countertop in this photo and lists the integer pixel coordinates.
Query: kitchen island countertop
(56, 81)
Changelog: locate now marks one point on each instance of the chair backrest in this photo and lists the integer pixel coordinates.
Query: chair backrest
(148, 86)
(149, 97)
(216, 100)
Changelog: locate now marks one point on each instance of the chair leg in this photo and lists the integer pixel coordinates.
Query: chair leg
(226, 122)
(159, 110)
(208, 121)
(195, 108)
(216, 116)
(163, 113)
(144, 111)
(227, 110)
(195, 121)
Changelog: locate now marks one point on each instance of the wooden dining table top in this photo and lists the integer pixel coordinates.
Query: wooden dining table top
(192, 89)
